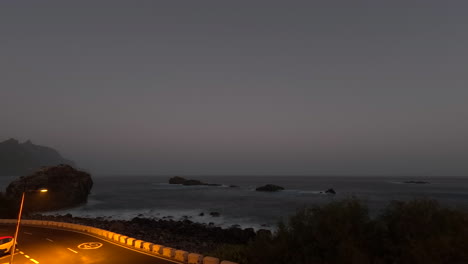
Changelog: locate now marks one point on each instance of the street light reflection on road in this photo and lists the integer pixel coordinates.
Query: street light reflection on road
(13, 248)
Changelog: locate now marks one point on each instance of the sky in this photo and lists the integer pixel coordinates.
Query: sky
(239, 87)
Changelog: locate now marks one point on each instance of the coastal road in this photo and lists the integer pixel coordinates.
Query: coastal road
(53, 246)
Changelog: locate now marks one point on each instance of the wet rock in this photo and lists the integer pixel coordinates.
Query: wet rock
(416, 182)
(269, 188)
(189, 182)
(215, 214)
(330, 191)
(67, 187)
(177, 180)
(184, 234)
(192, 182)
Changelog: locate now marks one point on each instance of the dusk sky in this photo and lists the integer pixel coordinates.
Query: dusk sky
(239, 87)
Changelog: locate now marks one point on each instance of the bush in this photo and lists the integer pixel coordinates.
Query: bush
(422, 231)
(8, 207)
(419, 231)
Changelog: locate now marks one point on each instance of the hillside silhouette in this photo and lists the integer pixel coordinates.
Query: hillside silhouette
(17, 159)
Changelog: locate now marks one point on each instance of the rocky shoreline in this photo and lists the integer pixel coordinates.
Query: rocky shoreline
(185, 235)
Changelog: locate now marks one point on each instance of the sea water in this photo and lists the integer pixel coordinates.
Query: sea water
(126, 197)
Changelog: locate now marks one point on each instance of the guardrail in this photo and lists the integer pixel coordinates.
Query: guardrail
(147, 247)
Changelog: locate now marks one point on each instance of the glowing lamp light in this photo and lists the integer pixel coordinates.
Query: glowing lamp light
(43, 190)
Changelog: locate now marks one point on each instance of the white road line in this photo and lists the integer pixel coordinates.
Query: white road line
(72, 250)
(27, 233)
(35, 261)
(26, 256)
(48, 239)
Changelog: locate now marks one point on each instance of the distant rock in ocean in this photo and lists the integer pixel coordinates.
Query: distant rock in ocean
(416, 182)
(18, 159)
(269, 188)
(183, 181)
(330, 191)
(67, 187)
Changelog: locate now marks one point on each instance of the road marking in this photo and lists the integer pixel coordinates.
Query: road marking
(27, 233)
(21, 252)
(72, 250)
(48, 239)
(90, 245)
(35, 261)
(26, 256)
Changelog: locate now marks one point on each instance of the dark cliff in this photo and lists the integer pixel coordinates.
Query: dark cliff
(24, 158)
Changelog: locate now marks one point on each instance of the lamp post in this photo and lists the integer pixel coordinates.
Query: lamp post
(13, 248)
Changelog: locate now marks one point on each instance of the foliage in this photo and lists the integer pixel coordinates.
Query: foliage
(8, 208)
(419, 231)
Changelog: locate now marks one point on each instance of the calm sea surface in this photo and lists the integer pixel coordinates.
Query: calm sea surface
(125, 197)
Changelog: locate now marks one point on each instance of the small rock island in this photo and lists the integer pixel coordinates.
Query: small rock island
(189, 182)
(67, 187)
(416, 182)
(269, 188)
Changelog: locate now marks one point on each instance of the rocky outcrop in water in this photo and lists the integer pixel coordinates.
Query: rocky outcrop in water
(189, 182)
(67, 187)
(269, 188)
(416, 182)
(18, 159)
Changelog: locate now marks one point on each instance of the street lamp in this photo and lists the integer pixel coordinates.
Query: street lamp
(13, 248)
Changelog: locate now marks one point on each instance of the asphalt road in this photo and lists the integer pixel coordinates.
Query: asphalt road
(52, 246)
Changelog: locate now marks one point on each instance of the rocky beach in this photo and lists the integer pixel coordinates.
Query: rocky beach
(185, 235)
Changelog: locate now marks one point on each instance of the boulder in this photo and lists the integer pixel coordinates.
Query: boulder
(67, 187)
(192, 182)
(189, 182)
(177, 180)
(416, 182)
(215, 214)
(330, 191)
(269, 188)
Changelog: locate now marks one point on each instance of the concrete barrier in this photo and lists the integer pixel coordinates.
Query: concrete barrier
(26, 222)
(123, 239)
(110, 235)
(181, 256)
(168, 252)
(194, 258)
(102, 232)
(131, 241)
(227, 262)
(116, 237)
(138, 244)
(148, 246)
(210, 260)
(158, 249)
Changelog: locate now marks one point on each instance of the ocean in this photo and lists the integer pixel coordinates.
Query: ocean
(126, 197)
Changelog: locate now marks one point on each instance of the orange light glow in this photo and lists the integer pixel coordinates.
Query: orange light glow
(43, 190)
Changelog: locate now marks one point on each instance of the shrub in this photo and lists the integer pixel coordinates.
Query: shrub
(419, 231)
